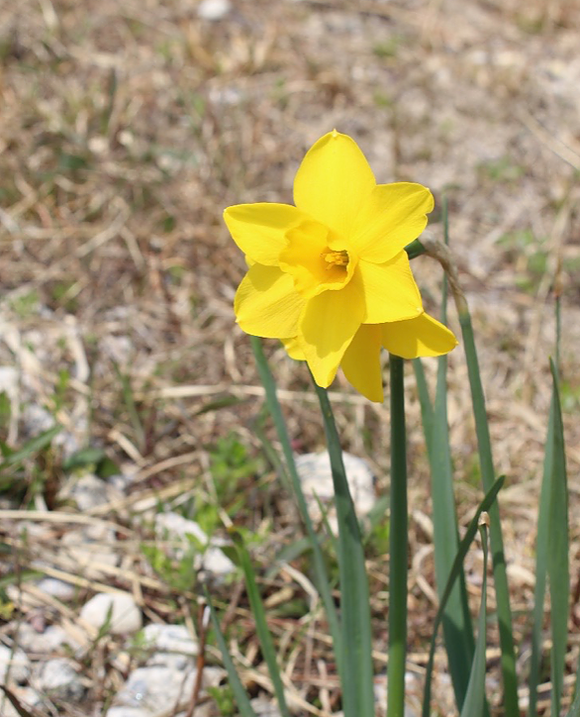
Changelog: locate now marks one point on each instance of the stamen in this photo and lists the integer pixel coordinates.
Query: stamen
(336, 258)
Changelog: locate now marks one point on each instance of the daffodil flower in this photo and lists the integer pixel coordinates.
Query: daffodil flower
(330, 276)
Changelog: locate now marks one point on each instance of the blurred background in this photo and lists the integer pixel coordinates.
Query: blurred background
(127, 128)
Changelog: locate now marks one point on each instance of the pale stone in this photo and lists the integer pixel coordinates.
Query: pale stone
(90, 546)
(213, 9)
(125, 615)
(124, 711)
(27, 697)
(316, 479)
(57, 588)
(42, 643)
(14, 666)
(210, 558)
(58, 678)
(169, 638)
(89, 492)
(155, 688)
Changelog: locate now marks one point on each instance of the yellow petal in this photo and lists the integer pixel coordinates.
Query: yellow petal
(259, 229)
(328, 324)
(333, 182)
(423, 336)
(361, 362)
(391, 217)
(294, 349)
(266, 303)
(390, 291)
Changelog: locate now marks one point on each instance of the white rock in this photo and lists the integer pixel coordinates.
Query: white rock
(8, 380)
(264, 707)
(90, 546)
(36, 419)
(155, 690)
(169, 638)
(42, 643)
(211, 559)
(125, 615)
(57, 589)
(172, 660)
(123, 711)
(213, 9)
(14, 668)
(173, 525)
(316, 478)
(89, 492)
(28, 698)
(216, 563)
(58, 678)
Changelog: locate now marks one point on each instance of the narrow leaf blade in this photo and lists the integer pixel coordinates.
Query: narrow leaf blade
(240, 695)
(356, 659)
(259, 613)
(474, 704)
(558, 568)
(322, 580)
(508, 660)
(485, 505)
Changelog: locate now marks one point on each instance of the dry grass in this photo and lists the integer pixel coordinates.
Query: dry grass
(124, 132)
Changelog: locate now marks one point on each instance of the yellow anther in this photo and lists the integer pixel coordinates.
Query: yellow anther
(336, 258)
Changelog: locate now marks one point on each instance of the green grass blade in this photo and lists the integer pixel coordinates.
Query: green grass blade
(398, 544)
(508, 661)
(357, 664)
(485, 505)
(321, 574)
(259, 613)
(131, 406)
(457, 627)
(240, 695)
(574, 710)
(542, 537)
(427, 414)
(558, 567)
(474, 704)
(34, 445)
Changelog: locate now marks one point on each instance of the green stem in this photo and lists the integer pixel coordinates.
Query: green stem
(322, 580)
(397, 545)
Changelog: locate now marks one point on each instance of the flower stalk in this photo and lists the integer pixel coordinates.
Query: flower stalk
(398, 544)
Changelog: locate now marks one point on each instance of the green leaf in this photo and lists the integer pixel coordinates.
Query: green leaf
(574, 710)
(322, 581)
(508, 660)
(485, 505)
(542, 538)
(84, 457)
(20, 577)
(131, 406)
(34, 445)
(457, 628)
(474, 704)
(357, 665)
(259, 613)
(558, 568)
(219, 403)
(240, 695)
